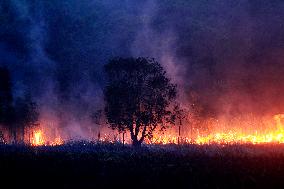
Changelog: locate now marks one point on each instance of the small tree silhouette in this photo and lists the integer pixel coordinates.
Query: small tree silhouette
(138, 95)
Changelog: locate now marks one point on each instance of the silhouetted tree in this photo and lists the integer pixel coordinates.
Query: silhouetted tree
(138, 95)
(25, 114)
(6, 99)
(180, 116)
(97, 117)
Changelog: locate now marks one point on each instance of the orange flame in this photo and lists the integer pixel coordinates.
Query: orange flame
(275, 135)
(272, 133)
(39, 139)
(263, 131)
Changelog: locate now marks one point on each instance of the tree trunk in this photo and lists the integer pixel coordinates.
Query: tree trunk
(23, 135)
(13, 135)
(134, 138)
(123, 139)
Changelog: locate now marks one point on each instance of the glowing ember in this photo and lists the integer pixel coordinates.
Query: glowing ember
(57, 141)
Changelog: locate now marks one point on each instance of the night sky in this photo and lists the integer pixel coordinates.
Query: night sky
(227, 57)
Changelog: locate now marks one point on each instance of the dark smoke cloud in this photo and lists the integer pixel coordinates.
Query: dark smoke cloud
(226, 56)
(228, 52)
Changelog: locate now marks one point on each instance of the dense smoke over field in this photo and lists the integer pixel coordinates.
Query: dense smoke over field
(225, 56)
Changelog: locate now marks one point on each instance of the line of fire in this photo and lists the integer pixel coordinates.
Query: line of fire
(237, 131)
(215, 132)
(27, 127)
(21, 122)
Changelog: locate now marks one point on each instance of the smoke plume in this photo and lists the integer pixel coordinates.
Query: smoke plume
(225, 56)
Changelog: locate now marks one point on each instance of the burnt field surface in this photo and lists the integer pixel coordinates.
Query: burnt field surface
(88, 165)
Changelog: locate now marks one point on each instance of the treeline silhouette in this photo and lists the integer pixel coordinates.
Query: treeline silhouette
(16, 113)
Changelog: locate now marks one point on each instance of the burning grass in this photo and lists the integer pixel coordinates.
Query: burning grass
(234, 142)
(238, 130)
(242, 130)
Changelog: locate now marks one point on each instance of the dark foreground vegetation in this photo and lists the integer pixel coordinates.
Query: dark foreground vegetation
(85, 165)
